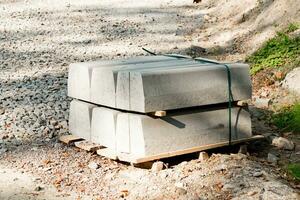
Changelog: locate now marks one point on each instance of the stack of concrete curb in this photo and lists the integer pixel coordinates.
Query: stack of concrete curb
(113, 99)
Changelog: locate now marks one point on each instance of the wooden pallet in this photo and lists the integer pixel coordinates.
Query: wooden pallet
(136, 160)
(109, 153)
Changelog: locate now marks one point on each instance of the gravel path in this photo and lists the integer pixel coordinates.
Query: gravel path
(222, 176)
(38, 40)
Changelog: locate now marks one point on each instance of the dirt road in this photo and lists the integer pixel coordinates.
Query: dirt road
(40, 38)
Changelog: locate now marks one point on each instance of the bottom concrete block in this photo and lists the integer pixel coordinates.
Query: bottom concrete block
(141, 135)
(80, 119)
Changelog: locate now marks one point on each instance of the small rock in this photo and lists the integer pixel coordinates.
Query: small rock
(180, 191)
(291, 80)
(179, 185)
(38, 188)
(203, 156)
(251, 193)
(243, 149)
(283, 143)
(228, 187)
(262, 102)
(157, 166)
(257, 174)
(2, 111)
(3, 150)
(93, 165)
(272, 158)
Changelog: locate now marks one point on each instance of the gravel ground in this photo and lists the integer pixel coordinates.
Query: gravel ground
(222, 176)
(39, 39)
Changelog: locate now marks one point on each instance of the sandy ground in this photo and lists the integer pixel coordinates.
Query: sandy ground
(40, 38)
(15, 185)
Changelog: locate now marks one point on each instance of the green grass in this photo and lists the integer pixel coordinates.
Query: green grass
(288, 118)
(280, 51)
(294, 169)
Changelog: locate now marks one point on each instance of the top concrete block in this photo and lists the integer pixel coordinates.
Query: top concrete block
(147, 84)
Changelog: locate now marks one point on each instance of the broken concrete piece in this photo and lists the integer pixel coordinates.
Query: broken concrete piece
(80, 119)
(142, 135)
(150, 90)
(104, 127)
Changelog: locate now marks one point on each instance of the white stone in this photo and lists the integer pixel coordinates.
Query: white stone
(142, 135)
(93, 165)
(80, 119)
(262, 102)
(148, 90)
(292, 80)
(283, 143)
(203, 156)
(157, 166)
(104, 127)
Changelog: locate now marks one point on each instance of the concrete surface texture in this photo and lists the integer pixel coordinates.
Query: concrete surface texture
(142, 135)
(104, 80)
(80, 119)
(181, 87)
(80, 74)
(104, 122)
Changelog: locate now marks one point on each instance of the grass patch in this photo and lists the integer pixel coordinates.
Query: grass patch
(294, 170)
(288, 118)
(280, 51)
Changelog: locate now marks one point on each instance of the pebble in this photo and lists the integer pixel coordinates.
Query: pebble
(2, 111)
(180, 191)
(262, 102)
(272, 158)
(257, 174)
(3, 150)
(203, 156)
(38, 188)
(157, 166)
(93, 165)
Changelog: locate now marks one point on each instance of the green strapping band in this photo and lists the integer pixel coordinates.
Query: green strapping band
(230, 96)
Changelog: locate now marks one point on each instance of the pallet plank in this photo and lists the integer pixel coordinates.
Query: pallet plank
(88, 146)
(108, 153)
(135, 160)
(68, 139)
